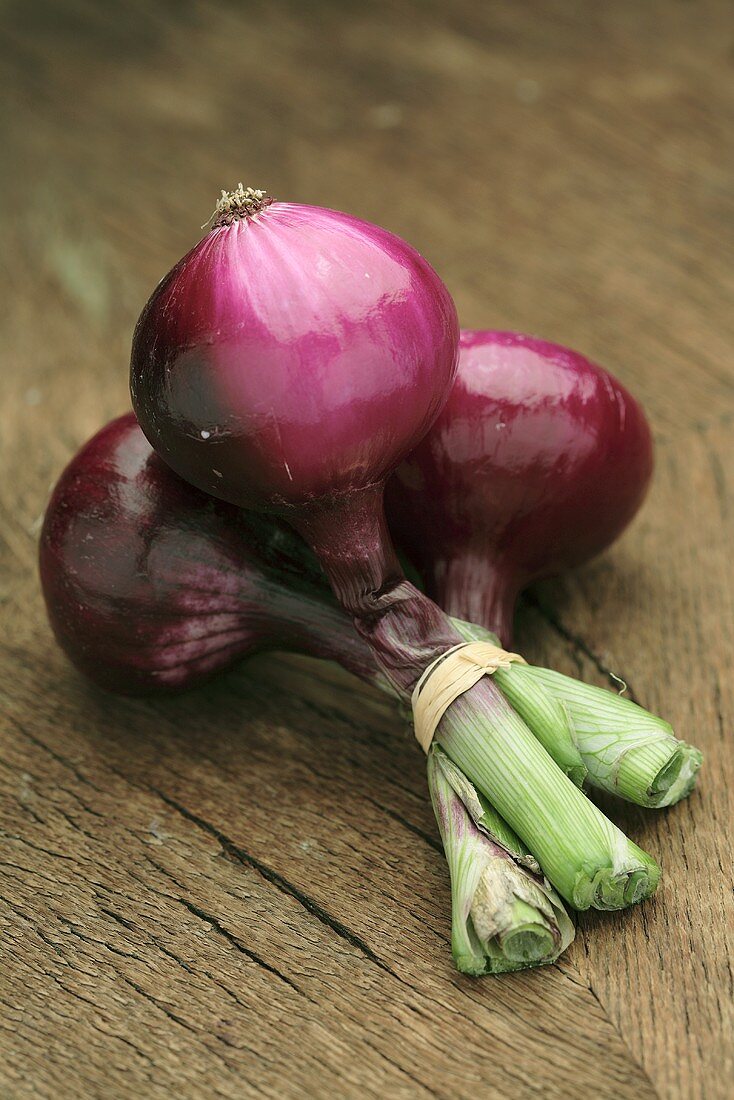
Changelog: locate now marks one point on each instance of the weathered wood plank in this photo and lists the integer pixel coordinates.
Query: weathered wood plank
(238, 892)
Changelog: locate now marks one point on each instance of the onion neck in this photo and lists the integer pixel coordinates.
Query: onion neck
(473, 588)
(405, 630)
(317, 626)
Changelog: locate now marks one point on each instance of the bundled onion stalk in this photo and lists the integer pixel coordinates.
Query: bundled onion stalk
(624, 749)
(287, 364)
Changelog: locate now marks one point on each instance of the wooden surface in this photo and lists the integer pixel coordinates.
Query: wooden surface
(238, 893)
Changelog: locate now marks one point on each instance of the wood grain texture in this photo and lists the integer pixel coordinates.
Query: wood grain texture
(239, 893)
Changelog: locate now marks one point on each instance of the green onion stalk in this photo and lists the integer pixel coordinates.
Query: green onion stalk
(585, 856)
(626, 750)
(622, 748)
(504, 914)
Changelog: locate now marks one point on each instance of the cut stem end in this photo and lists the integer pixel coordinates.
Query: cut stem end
(609, 890)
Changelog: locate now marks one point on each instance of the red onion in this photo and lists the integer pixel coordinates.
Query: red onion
(152, 586)
(537, 462)
(288, 363)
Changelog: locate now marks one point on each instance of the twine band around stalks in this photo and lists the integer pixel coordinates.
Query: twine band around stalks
(449, 676)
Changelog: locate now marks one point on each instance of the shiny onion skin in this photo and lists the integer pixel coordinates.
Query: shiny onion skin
(537, 462)
(151, 586)
(293, 355)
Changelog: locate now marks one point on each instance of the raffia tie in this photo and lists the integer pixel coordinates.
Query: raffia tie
(449, 676)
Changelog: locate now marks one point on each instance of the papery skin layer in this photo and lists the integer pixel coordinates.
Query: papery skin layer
(504, 916)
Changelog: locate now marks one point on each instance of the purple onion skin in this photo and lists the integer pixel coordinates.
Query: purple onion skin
(537, 462)
(151, 586)
(292, 357)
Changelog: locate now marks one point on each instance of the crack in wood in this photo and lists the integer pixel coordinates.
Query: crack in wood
(161, 1007)
(633, 1061)
(239, 946)
(415, 829)
(283, 884)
